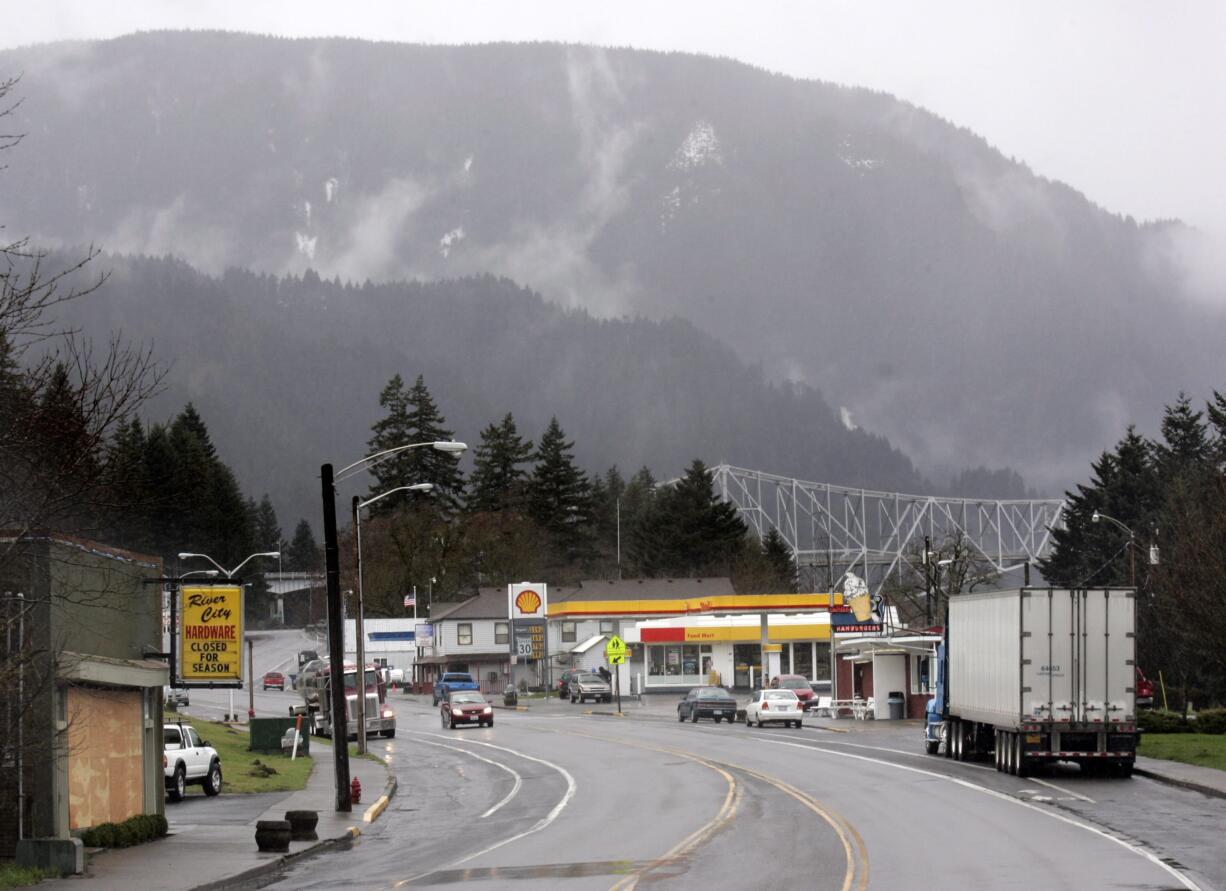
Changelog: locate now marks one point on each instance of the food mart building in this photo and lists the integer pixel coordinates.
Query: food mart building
(681, 630)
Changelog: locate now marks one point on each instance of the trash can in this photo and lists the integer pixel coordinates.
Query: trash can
(897, 703)
(510, 696)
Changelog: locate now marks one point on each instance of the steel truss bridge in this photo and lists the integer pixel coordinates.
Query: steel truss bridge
(832, 529)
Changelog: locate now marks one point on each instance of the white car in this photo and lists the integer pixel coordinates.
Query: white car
(188, 759)
(589, 686)
(774, 706)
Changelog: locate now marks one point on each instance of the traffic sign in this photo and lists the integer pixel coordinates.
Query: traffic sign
(615, 647)
(617, 660)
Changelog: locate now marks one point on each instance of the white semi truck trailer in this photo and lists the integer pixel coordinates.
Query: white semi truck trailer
(1035, 675)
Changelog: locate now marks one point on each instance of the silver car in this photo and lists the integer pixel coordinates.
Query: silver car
(590, 686)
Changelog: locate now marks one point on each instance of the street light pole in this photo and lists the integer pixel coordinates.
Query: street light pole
(360, 613)
(336, 628)
(336, 641)
(1132, 545)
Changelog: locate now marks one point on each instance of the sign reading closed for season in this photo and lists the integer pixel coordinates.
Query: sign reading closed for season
(211, 636)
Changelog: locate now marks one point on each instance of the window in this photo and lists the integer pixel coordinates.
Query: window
(568, 632)
(464, 634)
(608, 626)
(921, 674)
(502, 632)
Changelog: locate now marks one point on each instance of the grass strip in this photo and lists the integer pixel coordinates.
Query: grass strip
(1201, 749)
(14, 876)
(244, 771)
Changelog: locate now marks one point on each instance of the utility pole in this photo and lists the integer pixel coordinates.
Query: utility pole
(927, 585)
(336, 644)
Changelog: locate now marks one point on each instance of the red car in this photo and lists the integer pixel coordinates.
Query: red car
(798, 685)
(274, 679)
(466, 707)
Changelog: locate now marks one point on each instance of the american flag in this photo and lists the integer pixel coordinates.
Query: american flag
(409, 600)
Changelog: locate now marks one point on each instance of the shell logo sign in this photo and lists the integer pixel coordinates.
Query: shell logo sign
(527, 600)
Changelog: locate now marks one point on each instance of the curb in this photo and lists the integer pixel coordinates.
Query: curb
(381, 803)
(243, 878)
(1183, 784)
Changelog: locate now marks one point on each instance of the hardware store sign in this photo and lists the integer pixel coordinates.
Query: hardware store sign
(211, 639)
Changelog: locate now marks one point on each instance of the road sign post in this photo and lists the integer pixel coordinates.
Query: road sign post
(615, 655)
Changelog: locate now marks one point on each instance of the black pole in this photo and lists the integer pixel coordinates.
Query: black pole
(618, 682)
(336, 644)
(927, 584)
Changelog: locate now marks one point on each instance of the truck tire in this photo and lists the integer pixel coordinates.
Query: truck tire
(931, 747)
(390, 734)
(178, 787)
(212, 779)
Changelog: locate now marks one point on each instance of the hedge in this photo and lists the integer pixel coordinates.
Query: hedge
(132, 831)
(1212, 720)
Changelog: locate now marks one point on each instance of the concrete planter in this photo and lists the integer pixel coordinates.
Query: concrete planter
(273, 836)
(302, 825)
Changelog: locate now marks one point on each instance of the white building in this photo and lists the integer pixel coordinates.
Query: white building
(390, 643)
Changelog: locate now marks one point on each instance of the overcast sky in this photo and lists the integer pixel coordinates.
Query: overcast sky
(1125, 101)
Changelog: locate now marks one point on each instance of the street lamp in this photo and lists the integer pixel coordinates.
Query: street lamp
(229, 573)
(1132, 545)
(332, 575)
(358, 631)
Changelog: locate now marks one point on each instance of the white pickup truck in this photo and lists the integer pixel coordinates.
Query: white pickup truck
(188, 759)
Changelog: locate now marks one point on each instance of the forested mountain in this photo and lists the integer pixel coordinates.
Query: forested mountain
(935, 291)
(288, 372)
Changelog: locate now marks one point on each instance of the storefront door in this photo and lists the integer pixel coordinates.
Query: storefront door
(744, 657)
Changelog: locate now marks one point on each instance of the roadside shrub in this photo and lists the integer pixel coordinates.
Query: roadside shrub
(1159, 721)
(132, 831)
(1211, 720)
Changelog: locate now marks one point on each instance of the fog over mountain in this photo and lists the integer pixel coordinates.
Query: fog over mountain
(934, 291)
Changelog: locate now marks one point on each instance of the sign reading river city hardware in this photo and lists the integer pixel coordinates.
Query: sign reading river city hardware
(211, 635)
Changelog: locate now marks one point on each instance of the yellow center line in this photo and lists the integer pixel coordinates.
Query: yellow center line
(854, 849)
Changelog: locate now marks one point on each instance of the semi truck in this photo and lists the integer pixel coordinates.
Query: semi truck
(1036, 675)
(317, 702)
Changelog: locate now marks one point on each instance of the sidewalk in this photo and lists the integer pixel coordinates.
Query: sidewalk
(220, 848)
(1206, 780)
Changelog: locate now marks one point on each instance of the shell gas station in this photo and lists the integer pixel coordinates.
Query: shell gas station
(677, 642)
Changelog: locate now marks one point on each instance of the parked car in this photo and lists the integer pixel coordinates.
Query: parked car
(564, 681)
(188, 760)
(453, 682)
(274, 679)
(466, 707)
(774, 707)
(797, 684)
(707, 702)
(177, 696)
(585, 685)
(820, 688)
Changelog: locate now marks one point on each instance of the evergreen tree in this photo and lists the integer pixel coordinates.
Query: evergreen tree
(1185, 447)
(1123, 486)
(781, 561)
(303, 553)
(412, 418)
(498, 480)
(1216, 412)
(690, 531)
(559, 498)
(265, 528)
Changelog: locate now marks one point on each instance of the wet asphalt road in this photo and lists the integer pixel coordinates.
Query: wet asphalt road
(555, 798)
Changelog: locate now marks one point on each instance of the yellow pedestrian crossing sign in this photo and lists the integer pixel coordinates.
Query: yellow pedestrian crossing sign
(615, 649)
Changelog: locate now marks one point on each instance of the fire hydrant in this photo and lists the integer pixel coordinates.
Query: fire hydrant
(355, 791)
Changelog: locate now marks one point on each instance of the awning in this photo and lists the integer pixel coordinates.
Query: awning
(499, 656)
(587, 644)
